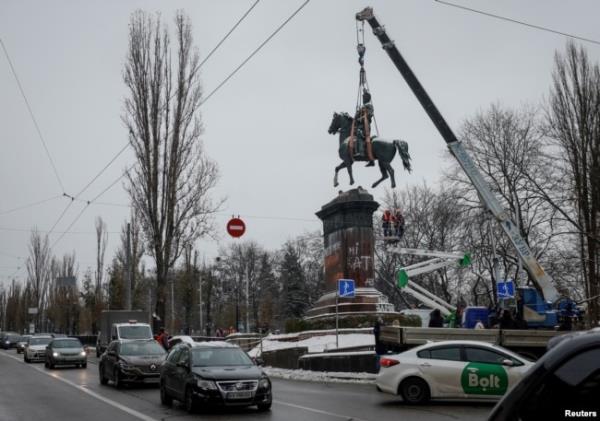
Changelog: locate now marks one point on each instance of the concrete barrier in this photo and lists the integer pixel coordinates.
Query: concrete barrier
(284, 358)
(358, 362)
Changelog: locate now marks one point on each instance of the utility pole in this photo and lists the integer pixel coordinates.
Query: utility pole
(247, 304)
(128, 269)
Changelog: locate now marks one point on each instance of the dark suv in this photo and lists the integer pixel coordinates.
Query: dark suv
(563, 384)
(213, 373)
(131, 361)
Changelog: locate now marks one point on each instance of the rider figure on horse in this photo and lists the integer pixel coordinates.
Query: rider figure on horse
(362, 120)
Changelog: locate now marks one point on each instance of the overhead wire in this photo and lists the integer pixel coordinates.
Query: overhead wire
(530, 25)
(253, 53)
(228, 33)
(30, 205)
(35, 123)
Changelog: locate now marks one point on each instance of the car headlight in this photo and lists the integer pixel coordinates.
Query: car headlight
(82, 353)
(264, 383)
(55, 354)
(206, 384)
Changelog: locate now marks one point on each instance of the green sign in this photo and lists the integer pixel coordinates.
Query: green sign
(402, 278)
(465, 261)
(484, 379)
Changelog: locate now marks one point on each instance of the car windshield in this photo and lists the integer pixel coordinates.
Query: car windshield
(66, 343)
(218, 357)
(39, 341)
(142, 348)
(13, 338)
(135, 332)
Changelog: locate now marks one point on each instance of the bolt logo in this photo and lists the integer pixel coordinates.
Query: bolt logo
(484, 379)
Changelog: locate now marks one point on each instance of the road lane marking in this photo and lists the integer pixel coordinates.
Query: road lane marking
(110, 402)
(317, 411)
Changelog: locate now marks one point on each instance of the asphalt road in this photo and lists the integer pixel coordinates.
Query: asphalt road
(31, 392)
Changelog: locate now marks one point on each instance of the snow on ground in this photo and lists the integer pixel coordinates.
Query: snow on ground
(320, 376)
(316, 344)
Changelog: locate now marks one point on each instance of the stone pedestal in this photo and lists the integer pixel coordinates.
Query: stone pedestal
(349, 254)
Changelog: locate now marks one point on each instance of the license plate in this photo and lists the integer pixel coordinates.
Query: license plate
(151, 380)
(239, 395)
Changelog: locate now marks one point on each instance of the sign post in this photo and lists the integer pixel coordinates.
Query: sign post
(345, 289)
(506, 289)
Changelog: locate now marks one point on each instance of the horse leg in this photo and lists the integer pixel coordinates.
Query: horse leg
(335, 177)
(390, 171)
(349, 168)
(383, 174)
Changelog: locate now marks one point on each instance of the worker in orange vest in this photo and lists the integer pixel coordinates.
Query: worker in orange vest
(387, 223)
(398, 221)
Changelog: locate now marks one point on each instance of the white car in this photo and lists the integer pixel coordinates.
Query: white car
(35, 350)
(451, 370)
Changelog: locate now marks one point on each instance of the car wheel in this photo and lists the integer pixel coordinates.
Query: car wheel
(46, 364)
(165, 399)
(414, 390)
(103, 378)
(84, 365)
(117, 379)
(264, 407)
(190, 404)
(27, 360)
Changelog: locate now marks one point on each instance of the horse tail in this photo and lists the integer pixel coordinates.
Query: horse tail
(402, 147)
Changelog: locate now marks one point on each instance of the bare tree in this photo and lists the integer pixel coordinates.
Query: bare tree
(170, 187)
(574, 127)
(38, 269)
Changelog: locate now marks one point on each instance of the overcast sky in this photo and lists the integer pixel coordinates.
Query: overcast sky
(267, 127)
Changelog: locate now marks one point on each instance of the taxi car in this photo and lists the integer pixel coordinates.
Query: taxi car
(451, 370)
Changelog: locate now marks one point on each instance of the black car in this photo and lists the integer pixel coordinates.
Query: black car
(131, 361)
(563, 384)
(65, 351)
(213, 373)
(9, 340)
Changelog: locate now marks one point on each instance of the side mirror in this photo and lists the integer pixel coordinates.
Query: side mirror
(259, 361)
(508, 363)
(111, 353)
(183, 365)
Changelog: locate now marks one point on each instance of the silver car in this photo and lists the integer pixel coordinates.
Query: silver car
(35, 350)
(65, 351)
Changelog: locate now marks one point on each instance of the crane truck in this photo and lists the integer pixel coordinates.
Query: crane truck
(541, 306)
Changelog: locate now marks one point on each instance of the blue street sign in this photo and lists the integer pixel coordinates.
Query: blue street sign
(506, 289)
(346, 288)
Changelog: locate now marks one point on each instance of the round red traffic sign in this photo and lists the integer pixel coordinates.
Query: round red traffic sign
(236, 227)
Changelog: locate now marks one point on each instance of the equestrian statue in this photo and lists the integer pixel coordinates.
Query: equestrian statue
(358, 146)
(356, 142)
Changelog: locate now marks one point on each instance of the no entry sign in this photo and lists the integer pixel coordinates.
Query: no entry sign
(236, 227)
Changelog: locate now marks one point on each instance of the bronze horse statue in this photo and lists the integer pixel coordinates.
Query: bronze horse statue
(383, 151)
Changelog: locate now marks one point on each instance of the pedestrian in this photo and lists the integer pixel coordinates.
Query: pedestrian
(479, 325)
(163, 338)
(379, 347)
(436, 319)
(507, 321)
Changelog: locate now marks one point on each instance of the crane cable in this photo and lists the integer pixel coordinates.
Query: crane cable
(363, 96)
